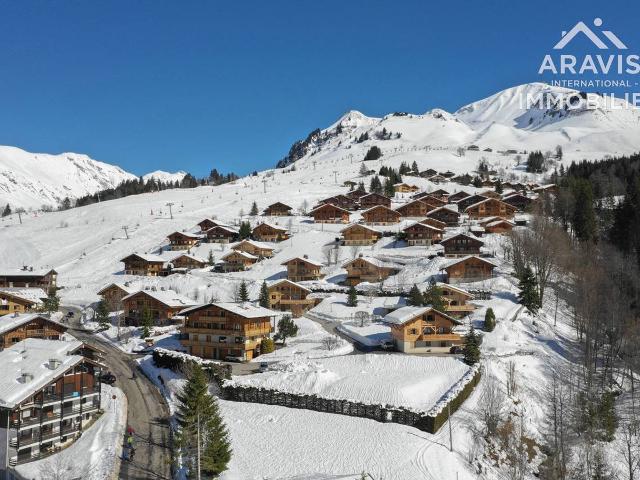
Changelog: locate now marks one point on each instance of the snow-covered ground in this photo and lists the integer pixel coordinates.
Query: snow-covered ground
(96, 454)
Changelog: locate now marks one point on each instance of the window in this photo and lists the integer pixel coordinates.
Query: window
(413, 331)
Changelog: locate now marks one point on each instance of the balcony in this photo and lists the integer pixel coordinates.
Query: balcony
(460, 308)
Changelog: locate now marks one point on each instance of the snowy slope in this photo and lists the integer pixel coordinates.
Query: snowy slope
(30, 180)
(163, 176)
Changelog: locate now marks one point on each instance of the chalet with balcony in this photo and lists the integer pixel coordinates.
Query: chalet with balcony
(445, 215)
(415, 209)
(267, 232)
(429, 172)
(184, 240)
(456, 197)
(468, 201)
(188, 262)
(300, 269)
(329, 213)
(381, 215)
(113, 294)
(341, 201)
(405, 188)
(518, 200)
(461, 245)
(434, 223)
(422, 330)
(422, 234)
(27, 277)
(457, 300)
(49, 394)
(369, 269)
(440, 194)
(287, 296)
(221, 234)
(437, 178)
(16, 327)
(468, 269)
(144, 264)
(358, 234)
(490, 194)
(374, 199)
(257, 249)
(550, 188)
(237, 261)
(497, 225)
(356, 194)
(20, 300)
(491, 207)
(208, 223)
(225, 330)
(162, 306)
(430, 199)
(277, 209)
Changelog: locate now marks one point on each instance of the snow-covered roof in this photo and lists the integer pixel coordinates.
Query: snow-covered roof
(246, 309)
(487, 200)
(378, 207)
(452, 287)
(307, 260)
(426, 225)
(29, 294)
(404, 314)
(475, 239)
(13, 320)
(122, 286)
(260, 245)
(21, 272)
(188, 255)
(360, 225)
(26, 367)
(226, 228)
(167, 297)
(326, 205)
(498, 222)
(464, 259)
(375, 262)
(241, 253)
(286, 280)
(187, 234)
(271, 225)
(148, 257)
(444, 207)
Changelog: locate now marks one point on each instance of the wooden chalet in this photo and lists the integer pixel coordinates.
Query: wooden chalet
(415, 209)
(237, 261)
(144, 264)
(468, 269)
(433, 222)
(457, 300)
(356, 194)
(225, 330)
(258, 249)
(437, 178)
(456, 197)
(288, 296)
(27, 277)
(369, 269)
(422, 234)
(404, 188)
(551, 188)
(430, 199)
(188, 262)
(490, 194)
(422, 330)
(278, 209)
(341, 201)
(161, 305)
(358, 234)
(448, 174)
(329, 213)
(518, 200)
(16, 327)
(445, 215)
(490, 207)
(470, 200)
(461, 245)
(267, 232)
(302, 268)
(429, 172)
(440, 194)
(381, 215)
(183, 240)
(113, 294)
(497, 225)
(221, 234)
(374, 199)
(20, 300)
(208, 223)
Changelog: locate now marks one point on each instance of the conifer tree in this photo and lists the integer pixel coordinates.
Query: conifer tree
(202, 436)
(286, 329)
(147, 322)
(254, 209)
(352, 297)
(489, 320)
(584, 217)
(243, 292)
(528, 295)
(471, 350)
(245, 230)
(267, 346)
(414, 167)
(264, 295)
(363, 170)
(433, 296)
(211, 259)
(498, 186)
(51, 303)
(415, 297)
(102, 314)
(6, 211)
(389, 191)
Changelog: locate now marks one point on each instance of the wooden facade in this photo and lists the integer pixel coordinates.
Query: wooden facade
(288, 296)
(143, 264)
(381, 215)
(237, 261)
(423, 330)
(434, 223)
(457, 300)
(278, 209)
(469, 269)
(405, 188)
(183, 240)
(374, 199)
(445, 215)
(265, 232)
(17, 300)
(162, 306)
(222, 331)
(415, 209)
(16, 327)
(430, 199)
(518, 200)
(363, 269)
(422, 234)
(208, 223)
(491, 207)
(221, 234)
(113, 294)
(357, 234)
(341, 201)
(456, 197)
(188, 261)
(27, 278)
(257, 249)
(498, 225)
(461, 245)
(329, 213)
(470, 200)
(300, 269)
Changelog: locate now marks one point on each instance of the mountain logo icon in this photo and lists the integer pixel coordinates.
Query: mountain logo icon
(581, 27)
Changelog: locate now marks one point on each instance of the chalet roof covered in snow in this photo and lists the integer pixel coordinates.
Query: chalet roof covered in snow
(35, 295)
(286, 280)
(464, 259)
(246, 309)
(303, 259)
(166, 297)
(13, 320)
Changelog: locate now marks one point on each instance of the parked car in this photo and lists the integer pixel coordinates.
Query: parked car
(388, 345)
(70, 314)
(230, 358)
(108, 378)
(264, 366)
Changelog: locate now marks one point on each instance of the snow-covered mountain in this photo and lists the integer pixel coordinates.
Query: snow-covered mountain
(503, 121)
(163, 176)
(30, 180)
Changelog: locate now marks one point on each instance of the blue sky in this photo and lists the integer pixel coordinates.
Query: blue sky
(194, 85)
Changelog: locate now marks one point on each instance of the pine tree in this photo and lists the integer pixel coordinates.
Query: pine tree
(375, 186)
(211, 259)
(528, 295)
(243, 292)
(352, 297)
(415, 297)
(584, 217)
(286, 329)
(102, 314)
(147, 323)
(6, 211)
(267, 346)
(363, 170)
(433, 296)
(51, 303)
(498, 186)
(489, 320)
(264, 295)
(389, 191)
(471, 350)
(254, 209)
(202, 437)
(414, 167)
(245, 230)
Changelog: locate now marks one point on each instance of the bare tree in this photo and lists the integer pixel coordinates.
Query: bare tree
(63, 466)
(512, 384)
(492, 405)
(628, 446)
(330, 342)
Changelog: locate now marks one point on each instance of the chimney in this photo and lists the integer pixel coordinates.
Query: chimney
(361, 255)
(25, 377)
(53, 363)
(305, 256)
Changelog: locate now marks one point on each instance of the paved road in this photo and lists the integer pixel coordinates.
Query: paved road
(147, 414)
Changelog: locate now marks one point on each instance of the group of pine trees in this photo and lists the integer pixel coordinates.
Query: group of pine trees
(432, 296)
